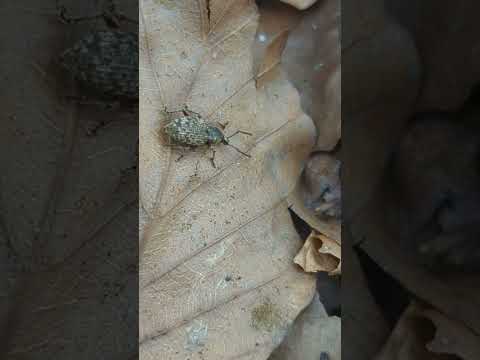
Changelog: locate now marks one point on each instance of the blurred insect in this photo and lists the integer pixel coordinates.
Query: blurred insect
(103, 62)
(191, 130)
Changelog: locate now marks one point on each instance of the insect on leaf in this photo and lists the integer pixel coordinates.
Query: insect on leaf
(217, 244)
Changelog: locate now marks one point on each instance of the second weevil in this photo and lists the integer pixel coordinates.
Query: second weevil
(191, 130)
(104, 61)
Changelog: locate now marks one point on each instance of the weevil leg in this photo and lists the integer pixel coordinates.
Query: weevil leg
(110, 15)
(180, 157)
(62, 15)
(187, 111)
(183, 110)
(212, 158)
(196, 168)
(239, 132)
(113, 17)
(182, 154)
(222, 126)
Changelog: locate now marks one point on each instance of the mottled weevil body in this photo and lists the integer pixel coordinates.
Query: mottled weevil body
(105, 62)
(193, 131)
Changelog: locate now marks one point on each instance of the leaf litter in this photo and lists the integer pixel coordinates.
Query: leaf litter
(216, 243)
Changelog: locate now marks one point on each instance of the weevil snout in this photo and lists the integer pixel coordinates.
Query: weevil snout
(215, 135)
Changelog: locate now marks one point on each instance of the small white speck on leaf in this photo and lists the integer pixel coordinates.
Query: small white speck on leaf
(262, 37)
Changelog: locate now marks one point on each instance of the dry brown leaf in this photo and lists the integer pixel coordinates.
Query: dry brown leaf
(271, 57)
(312, 61)
(216, 277)
(319, 253)
(424, 333)
(381, 72)
(377, 235)
(452, 337)
(408, 339)
(363, 321)
(276, 22)
(450, 54)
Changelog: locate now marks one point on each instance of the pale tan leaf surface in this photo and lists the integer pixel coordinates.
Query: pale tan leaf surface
(216, 274)
(313, 333)
(319, 253)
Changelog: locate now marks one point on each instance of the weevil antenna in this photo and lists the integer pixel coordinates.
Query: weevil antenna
(240, 151)
(239, 132)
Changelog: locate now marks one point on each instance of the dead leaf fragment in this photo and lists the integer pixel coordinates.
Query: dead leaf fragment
(276, 22)
(445, 36)
(272, 56)
(319, 253)
(363, 321)
(312, 61)
(313, 333)
(424, 333)
(452, 337)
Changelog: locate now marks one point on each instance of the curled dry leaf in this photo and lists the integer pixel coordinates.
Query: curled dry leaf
(424, 333)
(452, 337)
(320, 253)
(216, 276)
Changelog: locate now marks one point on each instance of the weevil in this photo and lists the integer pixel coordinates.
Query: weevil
(191, 130)
(104, 61)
